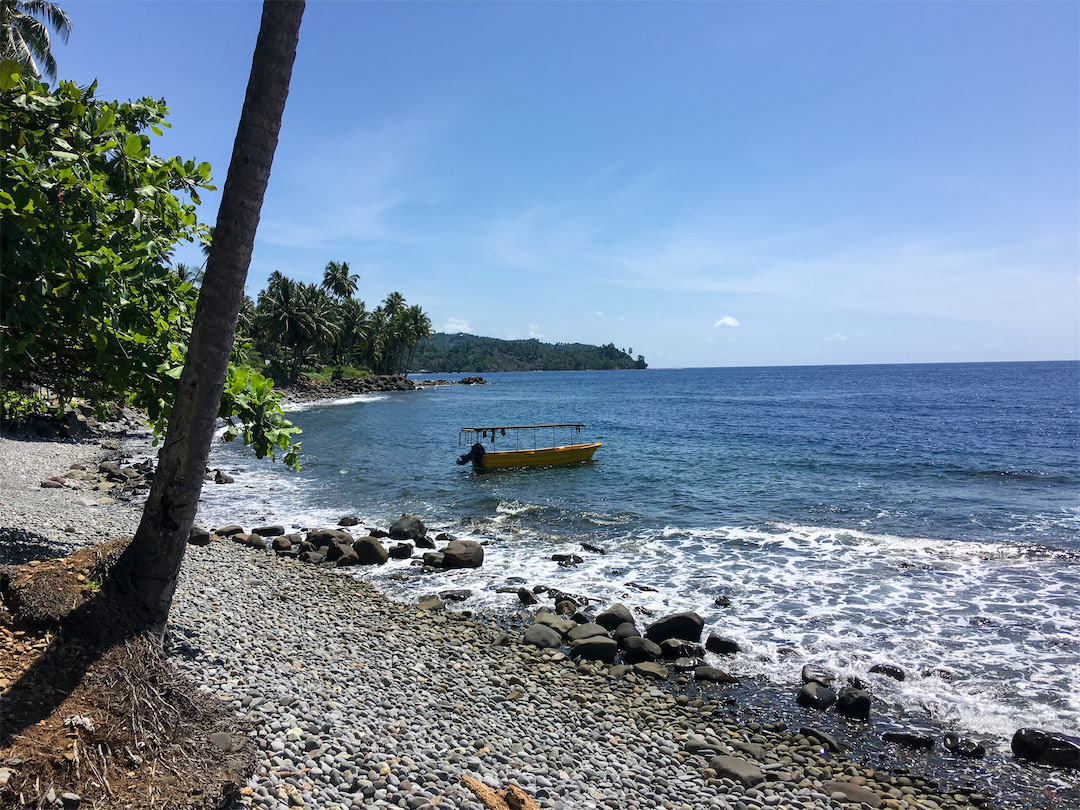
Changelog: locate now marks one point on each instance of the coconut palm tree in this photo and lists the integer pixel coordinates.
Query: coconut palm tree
(147, 572)
(418, 328)
(24, 34)
(338, 281)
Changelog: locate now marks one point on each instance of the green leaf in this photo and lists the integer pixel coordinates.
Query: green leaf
(133, 146)
(10, 73)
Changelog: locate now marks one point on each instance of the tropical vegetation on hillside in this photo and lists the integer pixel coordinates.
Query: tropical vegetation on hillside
(463, 352)
(293, 326)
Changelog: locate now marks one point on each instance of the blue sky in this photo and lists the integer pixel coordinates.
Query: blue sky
(709, 184)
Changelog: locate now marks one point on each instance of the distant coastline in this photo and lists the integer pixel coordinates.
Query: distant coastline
(461, 352)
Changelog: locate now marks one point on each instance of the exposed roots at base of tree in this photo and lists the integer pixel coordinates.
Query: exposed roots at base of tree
(114, 724)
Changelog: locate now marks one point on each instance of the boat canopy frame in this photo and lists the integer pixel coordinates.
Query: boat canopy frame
(469, 435)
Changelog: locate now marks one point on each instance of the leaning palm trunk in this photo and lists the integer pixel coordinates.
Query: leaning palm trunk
(148, 570)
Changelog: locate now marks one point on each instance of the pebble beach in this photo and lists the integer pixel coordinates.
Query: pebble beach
(355, 700)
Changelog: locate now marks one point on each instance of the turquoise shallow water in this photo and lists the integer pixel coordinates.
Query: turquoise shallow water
(928, 516)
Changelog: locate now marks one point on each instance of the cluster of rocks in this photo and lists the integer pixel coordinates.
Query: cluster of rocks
(81, 420)
(107, 480)
(341, 548)
(673, 639)
(462, 381)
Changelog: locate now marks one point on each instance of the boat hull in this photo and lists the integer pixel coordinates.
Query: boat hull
(544, 457)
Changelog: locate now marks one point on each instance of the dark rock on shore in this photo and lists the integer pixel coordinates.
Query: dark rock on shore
(199, 536)
(1046, 748)
(909, 739)
(408, 527)
(542, 636)
(637, 648)
(462, 554)
(369, 551)
(594, 648)
(817, 674)
(963, 747)
(721, 646)
(401, 551)
(713, 675)
(853, 703)
(686, 626)
(614, 616)
(889, 670)
(815, 696)
(738, 769)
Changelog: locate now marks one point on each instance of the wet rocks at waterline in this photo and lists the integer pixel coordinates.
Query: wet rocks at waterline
(343, 549)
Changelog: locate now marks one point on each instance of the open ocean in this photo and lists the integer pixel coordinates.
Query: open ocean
(926, 516)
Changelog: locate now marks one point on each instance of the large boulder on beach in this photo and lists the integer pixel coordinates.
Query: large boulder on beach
(1047, 748)
(556, 623)
(283, 543)
(738, 769)
(594, 648)
(815, 696)
(400, 551)
(637, 649)
(198, 536)
(624, 631)
(369, 551)
(540, 635)
(713, 675)
(853, 703)
(686, 626)
(587, 630)
(336, 550)
(720, 645)
(321, 538)
(408, 527)
(614, 616)
(463, 554)
(269, 531)
(849, 792)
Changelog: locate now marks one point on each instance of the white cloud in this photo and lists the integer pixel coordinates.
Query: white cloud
(837, 338)
(727, 321)
(534, 331)
(600, 314)
(453, 325)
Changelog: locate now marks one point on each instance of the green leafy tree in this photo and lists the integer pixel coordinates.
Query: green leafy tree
(338, 281)
(24, 34)
(88, 218)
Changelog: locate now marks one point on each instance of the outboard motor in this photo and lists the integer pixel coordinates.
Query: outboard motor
(476, 452)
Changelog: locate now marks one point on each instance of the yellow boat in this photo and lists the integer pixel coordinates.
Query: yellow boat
(534, 456)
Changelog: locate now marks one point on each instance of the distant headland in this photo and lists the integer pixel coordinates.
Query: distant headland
(444, 352)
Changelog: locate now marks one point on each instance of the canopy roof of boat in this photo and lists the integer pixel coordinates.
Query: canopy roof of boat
(521, 427)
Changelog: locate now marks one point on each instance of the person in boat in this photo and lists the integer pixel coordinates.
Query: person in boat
(476, 452)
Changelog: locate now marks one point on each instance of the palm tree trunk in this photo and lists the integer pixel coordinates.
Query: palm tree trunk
(148, 570)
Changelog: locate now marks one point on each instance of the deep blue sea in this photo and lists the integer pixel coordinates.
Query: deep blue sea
(922, 515)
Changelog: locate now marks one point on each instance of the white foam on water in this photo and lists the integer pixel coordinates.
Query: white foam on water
(332, 402)
(1004, 617)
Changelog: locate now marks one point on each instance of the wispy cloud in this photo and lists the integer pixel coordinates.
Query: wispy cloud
(727, 321)
(534, 331)
(837, 338)
(453, 325)
(349, 190)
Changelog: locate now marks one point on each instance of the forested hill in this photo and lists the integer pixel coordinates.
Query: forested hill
(462, 352)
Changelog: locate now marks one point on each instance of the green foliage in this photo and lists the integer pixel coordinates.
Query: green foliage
(462, 352)
(252, 408)
(88, 219)
(17, 406)
(302, 327)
